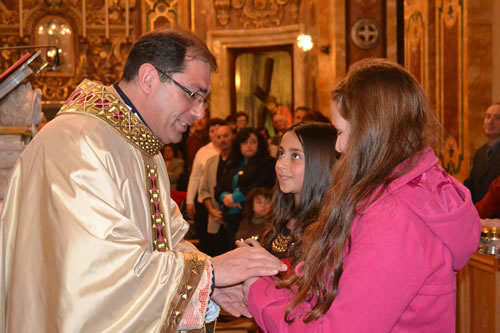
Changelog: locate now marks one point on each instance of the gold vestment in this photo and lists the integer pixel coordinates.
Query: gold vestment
(90, 239)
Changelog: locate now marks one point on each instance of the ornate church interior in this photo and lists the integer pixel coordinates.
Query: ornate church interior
(291, 51)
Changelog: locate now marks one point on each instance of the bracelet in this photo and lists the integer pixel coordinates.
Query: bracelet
(213, 281)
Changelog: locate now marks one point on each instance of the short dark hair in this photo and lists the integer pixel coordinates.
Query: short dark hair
(215, 121)
(240, 114)
(316, 116)
(302, 108)
(167, 50)
(266, 192)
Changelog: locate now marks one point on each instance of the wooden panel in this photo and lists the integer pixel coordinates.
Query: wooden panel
(450, 82)
(415, 45)
(482, 299)
(478, 295)
(364, 9)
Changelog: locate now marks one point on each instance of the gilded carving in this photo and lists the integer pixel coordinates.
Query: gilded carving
(54, 88)
(7, 16)
(95, 57)
(251, 13)
(222, 8)
(105, 59)
(160, 13)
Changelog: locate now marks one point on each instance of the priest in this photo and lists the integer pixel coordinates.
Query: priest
(90, 239)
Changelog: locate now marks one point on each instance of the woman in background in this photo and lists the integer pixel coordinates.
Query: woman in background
(249, 166)
(395, 229)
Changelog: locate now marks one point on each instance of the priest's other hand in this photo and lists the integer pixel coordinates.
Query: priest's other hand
(231, 299)
(243, 263)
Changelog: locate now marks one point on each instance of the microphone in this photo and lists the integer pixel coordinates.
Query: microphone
(55, 65)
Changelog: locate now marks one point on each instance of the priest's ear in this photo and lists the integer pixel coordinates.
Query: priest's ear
(148, 77)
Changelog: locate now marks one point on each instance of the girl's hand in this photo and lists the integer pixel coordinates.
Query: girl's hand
(246, 288)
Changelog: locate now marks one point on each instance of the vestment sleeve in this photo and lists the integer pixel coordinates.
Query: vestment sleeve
(90, 261)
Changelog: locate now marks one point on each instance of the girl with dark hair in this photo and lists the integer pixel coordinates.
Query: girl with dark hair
(305, 157)
(249, 166)
(394, 229)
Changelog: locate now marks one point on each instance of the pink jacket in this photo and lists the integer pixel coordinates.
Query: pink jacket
(400, 274)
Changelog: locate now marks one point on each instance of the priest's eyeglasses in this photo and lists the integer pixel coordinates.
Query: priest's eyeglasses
(196, 98)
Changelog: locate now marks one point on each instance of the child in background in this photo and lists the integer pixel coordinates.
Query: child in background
(256, 209)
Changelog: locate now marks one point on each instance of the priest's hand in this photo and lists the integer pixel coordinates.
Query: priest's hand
(230, 299)
(243, 263)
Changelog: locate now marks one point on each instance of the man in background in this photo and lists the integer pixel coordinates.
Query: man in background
(299, 114)
(486, 165)
(217, 240)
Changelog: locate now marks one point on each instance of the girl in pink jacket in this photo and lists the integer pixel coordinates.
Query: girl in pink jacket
(396, 227)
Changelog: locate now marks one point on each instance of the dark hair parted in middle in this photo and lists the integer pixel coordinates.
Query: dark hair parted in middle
(318, 143)
(236, 157)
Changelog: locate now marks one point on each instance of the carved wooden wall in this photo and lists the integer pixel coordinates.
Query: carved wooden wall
(365, 29)
(248, 14)
(102, 33)
(448, 48)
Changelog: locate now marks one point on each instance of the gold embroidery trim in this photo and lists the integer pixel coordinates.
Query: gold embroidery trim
(157, 216)
(93, 99)
(193, 272)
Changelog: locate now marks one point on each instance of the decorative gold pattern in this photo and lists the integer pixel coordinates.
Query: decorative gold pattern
(105, 58)
(281, 243)
(157, 216)
(193, 270)
(252, 13)
(160, 13)
(365, 33)
(94, 99)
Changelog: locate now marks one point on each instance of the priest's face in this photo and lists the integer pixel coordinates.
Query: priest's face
(175, 106)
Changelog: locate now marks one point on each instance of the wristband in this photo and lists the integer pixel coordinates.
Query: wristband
(213, 281)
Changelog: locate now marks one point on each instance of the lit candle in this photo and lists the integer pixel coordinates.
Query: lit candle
(21, 34)
(84, 18)
(126, 18)
(106, 15)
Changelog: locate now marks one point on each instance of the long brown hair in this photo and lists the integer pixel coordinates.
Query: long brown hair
(390, 123)
(318, 143)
